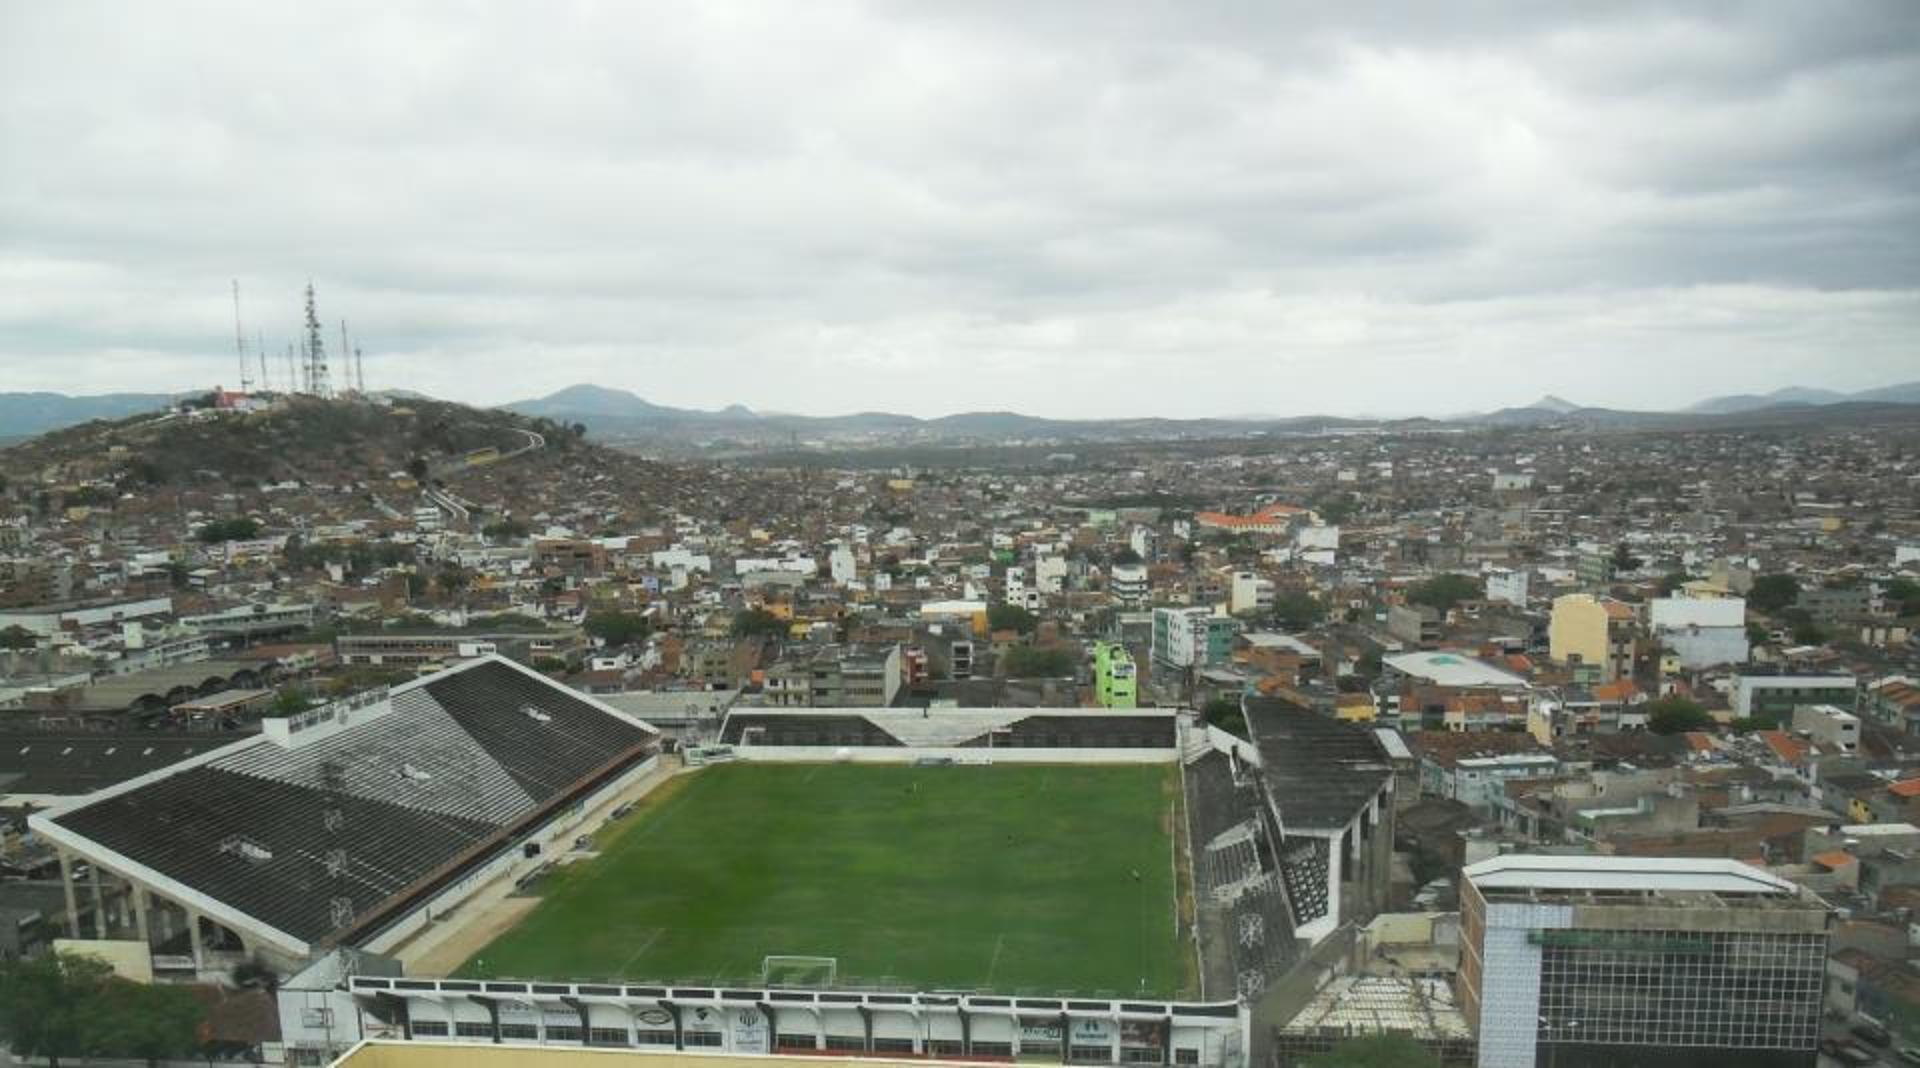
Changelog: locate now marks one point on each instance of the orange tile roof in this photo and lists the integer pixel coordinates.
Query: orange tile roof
(1834, 859)
(1618, 609)
(1617, 690)
(1785, 746)
(1905, 788)
(1699, 741)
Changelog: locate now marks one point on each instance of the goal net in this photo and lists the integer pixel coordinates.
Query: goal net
(790, 971)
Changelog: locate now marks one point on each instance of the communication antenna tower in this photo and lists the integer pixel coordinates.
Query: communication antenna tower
(318, 382)
(240, 342)
(260, 346)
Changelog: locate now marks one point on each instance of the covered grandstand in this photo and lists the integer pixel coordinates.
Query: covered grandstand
(1288, 841)
(352, 823)
(952, 728)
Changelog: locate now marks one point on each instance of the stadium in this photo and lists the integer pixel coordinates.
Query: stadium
(990, 883)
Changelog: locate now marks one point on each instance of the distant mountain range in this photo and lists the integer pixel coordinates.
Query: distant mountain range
(1904, 393)
(26, 414)
(620, 415)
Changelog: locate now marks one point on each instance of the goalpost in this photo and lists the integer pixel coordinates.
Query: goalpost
(794, 971)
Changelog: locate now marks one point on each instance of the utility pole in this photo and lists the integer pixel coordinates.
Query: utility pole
(240, 341)
(346, 354)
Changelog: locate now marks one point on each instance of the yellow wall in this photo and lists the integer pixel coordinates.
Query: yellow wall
(1578, 627)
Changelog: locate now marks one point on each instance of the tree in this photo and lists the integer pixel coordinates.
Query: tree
(220, 530)
(49, 1005)
(1757, 634)
(1807, 632)
(1624, 560)
(1673, 715)
(453, 580)
(1903, 597)
(1772, 593)
(1442, 592)
(417, 467)
(619, 628)
(1010, 617)
(1672, 581)
(1126, 556)
(757, 623)
(1225, 713)
(1294, 610)
(1376, 1051)
(17, 637)
(150, 1023)
(1031, 661)
(506, 530)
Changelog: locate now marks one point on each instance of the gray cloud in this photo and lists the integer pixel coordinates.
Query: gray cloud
(1070, 209)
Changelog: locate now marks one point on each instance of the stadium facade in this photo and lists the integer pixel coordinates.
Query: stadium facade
(351, 824)
(955, 1026)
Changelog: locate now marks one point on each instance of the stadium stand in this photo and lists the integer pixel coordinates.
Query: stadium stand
(998, 728)
(336, 824)
(1245, 923)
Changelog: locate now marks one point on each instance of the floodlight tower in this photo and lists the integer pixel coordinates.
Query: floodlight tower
(346, 357)
(318, 383)
(260, 346)
(359, 370)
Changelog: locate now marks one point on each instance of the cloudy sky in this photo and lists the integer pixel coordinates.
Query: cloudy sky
(1071, 209)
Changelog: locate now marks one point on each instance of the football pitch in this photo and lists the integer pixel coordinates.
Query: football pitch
(1012, 878)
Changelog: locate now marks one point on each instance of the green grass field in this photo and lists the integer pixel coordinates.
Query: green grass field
(1008, 877)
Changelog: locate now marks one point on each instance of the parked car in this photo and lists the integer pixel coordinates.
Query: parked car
(1872, 1031)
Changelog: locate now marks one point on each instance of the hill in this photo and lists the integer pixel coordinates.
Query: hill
(1902, 393)
(298, 439)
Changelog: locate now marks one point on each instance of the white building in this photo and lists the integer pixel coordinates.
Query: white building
(1702, 632)
(1508, 585)
(1128, 583)
(840, 565)
(1250, 593)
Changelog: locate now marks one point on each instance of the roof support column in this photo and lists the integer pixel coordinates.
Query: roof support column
(66, 885)
(193, 938)
(99, 903)
(140, 915)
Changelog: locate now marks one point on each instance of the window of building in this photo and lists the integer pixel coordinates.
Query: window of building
(892, 1045)
(433, 1028)
(473, 1029)
(1129, 1055)
(653, 1038)
(794, 1042)
(1186, 1056)
(607, 1036)
(698, 1039)
(992, 1049)
(1090, 1054)
(945, 1047)
(562, 1033)
(519, 1031)
(846, 1042)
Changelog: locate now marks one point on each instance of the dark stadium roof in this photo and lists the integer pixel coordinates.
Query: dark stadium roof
(448, 770)
(1318, 770)
(74, 764)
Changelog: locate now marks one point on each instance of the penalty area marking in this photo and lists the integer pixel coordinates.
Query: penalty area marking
(999, 942)
(644, 946)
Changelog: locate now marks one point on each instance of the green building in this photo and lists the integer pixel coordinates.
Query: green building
(1115, 677)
